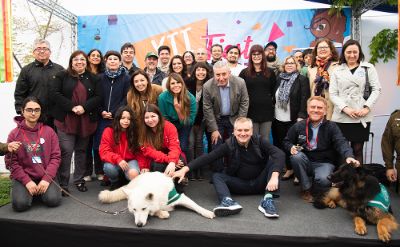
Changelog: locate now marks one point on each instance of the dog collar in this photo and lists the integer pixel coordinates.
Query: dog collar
(381, 200)
(173, 196)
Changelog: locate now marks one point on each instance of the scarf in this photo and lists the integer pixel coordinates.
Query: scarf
(115, 74)
(287, 80)
(322, 78)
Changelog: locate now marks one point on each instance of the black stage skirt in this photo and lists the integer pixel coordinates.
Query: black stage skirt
(355, 132)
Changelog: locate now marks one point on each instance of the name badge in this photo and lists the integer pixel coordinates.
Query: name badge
(36, 160)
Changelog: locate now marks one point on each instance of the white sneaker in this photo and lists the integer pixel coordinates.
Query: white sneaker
(87, 178)
(100, 177)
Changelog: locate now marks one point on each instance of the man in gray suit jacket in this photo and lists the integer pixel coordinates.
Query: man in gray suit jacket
(225, 98)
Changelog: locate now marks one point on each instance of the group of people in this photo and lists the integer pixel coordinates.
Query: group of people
(258, 120)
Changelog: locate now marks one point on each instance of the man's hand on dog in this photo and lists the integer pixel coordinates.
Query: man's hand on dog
(181, 173)
(170, 170)
(353, 162)
(391, 175)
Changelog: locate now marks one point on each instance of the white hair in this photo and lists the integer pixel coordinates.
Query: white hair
(41, 41)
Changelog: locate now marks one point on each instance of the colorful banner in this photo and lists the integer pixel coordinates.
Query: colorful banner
(6, 69)
(290, 29)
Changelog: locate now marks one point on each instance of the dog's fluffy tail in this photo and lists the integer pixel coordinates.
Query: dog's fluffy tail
(107, 196)
(319, 194)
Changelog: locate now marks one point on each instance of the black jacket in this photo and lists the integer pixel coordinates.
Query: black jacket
(298, 96)
(331, 142)
(62, 88)
(158, 77)
(33, 80)
(264, 150)
(114, 92)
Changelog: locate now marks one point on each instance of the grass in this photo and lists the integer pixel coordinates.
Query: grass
(5, 185)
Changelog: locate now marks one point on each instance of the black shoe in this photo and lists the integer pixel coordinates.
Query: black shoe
(81, 187)
(64, 192)
(105, 183)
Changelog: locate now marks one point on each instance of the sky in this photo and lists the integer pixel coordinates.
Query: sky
(105, 7)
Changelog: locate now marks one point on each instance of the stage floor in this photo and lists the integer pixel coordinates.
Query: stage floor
(299, 222)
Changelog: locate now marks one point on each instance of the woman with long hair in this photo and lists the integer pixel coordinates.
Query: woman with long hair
(178, 66)
(119, 148)
(324, 60)
(260, 83)
(95, 66)
(201, 75)
(178, 106)
(142, 92)
(96, 63)
(34, 165)
(290, 98)
(352, 109)
(159, 142)
(76, 94)
(189, 60)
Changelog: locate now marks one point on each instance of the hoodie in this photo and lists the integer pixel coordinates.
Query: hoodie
(40, 141)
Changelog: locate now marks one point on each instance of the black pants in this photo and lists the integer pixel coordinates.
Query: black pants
(279, 132)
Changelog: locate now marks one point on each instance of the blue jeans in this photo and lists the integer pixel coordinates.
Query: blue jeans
(113, 172)
(308, 172)
(224, 184)
(183, 135)
(225, 128)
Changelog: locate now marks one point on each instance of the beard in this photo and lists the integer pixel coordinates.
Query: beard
(271, 58)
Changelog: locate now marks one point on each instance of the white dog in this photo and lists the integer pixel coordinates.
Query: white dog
(151, 193)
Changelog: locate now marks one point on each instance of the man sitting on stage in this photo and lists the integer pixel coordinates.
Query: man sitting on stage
(253, 168)
(315, 144)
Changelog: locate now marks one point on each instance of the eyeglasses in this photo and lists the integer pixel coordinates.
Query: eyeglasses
(290, 63)
(41, 49)
(33, 110)
(256, 54)
(323, 47)
(270, 49)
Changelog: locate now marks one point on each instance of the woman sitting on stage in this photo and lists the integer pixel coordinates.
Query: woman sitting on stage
(34, 166)
(119, 149)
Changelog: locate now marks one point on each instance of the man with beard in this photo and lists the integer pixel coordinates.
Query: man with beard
(164, 53)
(270, 54)
(155, 74)
(232, 56)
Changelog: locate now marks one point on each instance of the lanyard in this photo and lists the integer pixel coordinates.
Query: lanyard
(34, 147)
(308, 141)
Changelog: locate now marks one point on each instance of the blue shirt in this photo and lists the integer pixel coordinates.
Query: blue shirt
(313, 141)
(225, 100)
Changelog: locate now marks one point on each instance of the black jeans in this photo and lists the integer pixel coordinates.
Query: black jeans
(224, 184)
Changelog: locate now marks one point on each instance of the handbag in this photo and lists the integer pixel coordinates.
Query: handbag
(367, 89)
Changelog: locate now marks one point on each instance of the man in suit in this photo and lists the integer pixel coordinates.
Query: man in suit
(225, 99)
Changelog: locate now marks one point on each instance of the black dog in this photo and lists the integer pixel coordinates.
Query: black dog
(358, 192)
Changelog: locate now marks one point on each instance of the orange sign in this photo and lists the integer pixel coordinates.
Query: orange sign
(181, 39)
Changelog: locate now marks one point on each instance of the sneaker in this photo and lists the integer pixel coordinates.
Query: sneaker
(267, 207)
(100, 177)
(87, 178)
(227, 207)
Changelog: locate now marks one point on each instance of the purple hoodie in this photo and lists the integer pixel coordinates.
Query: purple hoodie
(40, 141)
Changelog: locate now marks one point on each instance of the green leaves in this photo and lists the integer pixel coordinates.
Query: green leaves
(5, 186)
(383, 46)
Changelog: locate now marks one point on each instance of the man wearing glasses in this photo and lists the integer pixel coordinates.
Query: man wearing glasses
(34, 78)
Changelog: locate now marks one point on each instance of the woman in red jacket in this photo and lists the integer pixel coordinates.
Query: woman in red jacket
(160, 142)
(34, 166)
(119, 149)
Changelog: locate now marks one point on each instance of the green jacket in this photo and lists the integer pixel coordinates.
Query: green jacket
(391, 141)
(3, 148)
(166, 105)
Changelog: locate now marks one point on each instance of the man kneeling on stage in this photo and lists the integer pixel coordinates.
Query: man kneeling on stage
(253, 168)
